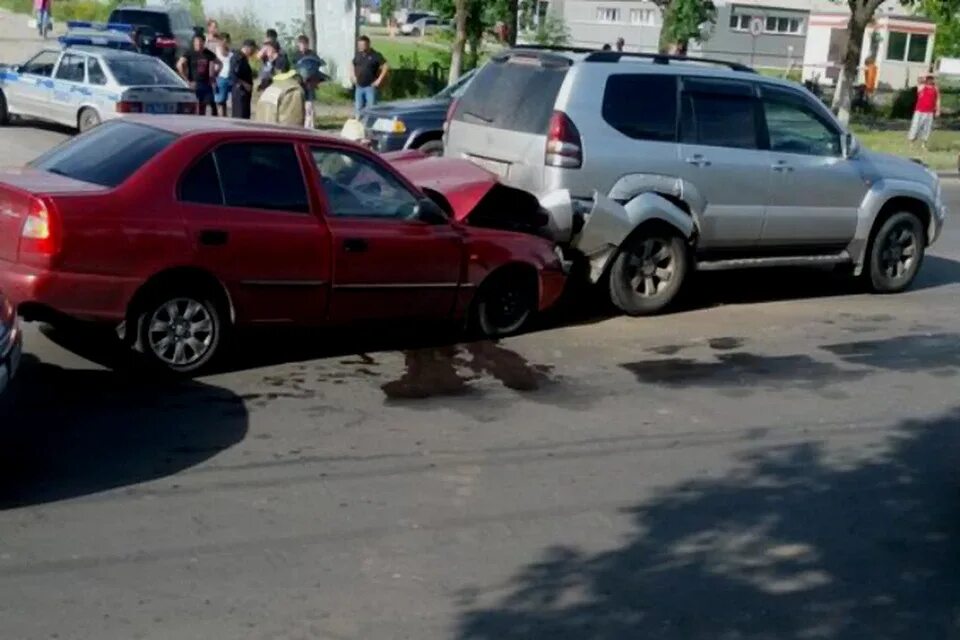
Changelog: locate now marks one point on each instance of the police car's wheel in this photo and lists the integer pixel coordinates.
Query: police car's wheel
(87, 119)
(4, 113)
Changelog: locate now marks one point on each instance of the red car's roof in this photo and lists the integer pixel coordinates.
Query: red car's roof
(185, 125)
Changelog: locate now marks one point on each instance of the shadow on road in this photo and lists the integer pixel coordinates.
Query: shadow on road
(72, 432)
(791, 545)
(43, 125)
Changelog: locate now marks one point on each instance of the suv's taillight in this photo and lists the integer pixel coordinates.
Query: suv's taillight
(450, 111)
(129, 107)
(563, 143)
(40, 235)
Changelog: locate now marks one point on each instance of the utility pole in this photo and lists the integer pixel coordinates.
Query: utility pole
(310, 18)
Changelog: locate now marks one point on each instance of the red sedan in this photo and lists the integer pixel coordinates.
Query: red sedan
(178, 229)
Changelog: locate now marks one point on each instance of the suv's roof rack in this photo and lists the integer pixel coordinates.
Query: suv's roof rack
(661, 58)
(546, 47)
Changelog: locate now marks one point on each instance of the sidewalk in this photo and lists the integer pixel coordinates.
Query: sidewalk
(18, 41)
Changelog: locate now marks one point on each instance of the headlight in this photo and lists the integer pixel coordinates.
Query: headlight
(389, 125)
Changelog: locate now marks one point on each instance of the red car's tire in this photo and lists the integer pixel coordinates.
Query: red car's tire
(181, 331)
(505, 303)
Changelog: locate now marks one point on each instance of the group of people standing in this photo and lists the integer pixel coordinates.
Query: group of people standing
(221, 76)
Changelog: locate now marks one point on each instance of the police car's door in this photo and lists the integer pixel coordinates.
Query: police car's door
(34, 85)
(69, 89)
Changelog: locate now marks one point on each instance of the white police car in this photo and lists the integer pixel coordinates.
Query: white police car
(83, 85)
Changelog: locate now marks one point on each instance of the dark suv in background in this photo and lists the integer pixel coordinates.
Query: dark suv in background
(165, 31)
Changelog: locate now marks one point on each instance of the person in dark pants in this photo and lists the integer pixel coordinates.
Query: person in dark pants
(199, 67)
(242, 76)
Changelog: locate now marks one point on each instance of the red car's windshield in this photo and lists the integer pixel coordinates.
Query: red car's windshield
(106, 155)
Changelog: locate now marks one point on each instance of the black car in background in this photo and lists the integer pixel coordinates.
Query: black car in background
(10, 344)
(165, 31)
(411, 124)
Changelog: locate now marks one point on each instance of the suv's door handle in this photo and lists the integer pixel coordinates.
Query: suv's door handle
(355, 245)
(698, 160)
(214, 237)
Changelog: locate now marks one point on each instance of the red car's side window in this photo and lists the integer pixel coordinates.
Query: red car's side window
(357, 187)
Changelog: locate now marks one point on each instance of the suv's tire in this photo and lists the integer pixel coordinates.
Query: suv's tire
(432, 147)
(896, 253)
(504, 304)
(180, 330)
(4, 111)
(648, 272)
(87, 119)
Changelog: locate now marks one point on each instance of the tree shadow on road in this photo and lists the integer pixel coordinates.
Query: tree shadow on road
(75, 432)
(792, 545)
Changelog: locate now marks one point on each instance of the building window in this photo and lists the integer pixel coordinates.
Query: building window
(909, 47)
(771, 24)
(642, 17)
(607, 14)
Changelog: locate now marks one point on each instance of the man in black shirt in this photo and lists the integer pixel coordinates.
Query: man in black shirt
(242, 77)
(303, 49)
(367, 72)
(199, 67)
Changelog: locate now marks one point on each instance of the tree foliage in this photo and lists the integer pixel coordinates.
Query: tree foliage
(945, 13)
(684, 20)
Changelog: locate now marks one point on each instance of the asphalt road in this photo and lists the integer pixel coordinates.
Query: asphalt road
(778, 460)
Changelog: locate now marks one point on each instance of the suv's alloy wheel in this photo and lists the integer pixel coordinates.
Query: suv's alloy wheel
(896, 253)
(648, 272)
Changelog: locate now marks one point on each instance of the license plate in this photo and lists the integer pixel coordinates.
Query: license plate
(160, 108)
(493, 166)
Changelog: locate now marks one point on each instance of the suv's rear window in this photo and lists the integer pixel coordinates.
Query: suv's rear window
(513, 95)
(642, 106)
(159, 22)
(106, 155)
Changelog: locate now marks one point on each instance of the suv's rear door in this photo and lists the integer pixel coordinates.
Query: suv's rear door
(815, 193)
(722, 157)
(501, 121)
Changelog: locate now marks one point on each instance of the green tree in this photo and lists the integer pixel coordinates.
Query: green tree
(945, 13)
(552, 32)
(683, 21)
(387, 9)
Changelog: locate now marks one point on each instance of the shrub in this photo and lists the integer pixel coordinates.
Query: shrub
(903, 103)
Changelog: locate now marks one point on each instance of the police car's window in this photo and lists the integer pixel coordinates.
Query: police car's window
(201, 183)
(71, 68)
(137, 71)
(41, 64)
(262, 175)
(359, 188)
(107, 154)
(95, 74)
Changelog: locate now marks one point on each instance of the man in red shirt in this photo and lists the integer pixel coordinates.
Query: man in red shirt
(928, 107)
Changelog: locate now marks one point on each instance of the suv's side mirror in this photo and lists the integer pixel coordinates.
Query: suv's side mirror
(428, 211)
(849, 145)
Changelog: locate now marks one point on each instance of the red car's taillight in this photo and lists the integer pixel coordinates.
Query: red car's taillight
(40, 235)
(129, 107)
(564, 148)
(166, 43)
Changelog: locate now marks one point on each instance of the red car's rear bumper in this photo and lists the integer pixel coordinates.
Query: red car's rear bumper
(551, 287)
(90, 297)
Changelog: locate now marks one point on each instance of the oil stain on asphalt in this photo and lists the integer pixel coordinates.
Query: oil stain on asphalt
(450, 370)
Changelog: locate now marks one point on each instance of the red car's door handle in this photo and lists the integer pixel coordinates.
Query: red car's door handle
(214, 237)
(355, 245)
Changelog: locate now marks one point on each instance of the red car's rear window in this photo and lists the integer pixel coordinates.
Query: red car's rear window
(106, 155)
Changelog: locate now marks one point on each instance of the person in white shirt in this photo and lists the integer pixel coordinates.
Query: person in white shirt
(224, 82)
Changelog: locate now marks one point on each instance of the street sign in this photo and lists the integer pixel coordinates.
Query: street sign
(756, 26)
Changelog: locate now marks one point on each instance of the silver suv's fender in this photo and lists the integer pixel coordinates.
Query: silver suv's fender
(608, 224)
(880, 193)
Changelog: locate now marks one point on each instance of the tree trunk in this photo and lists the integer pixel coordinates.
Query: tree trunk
(310, 22)
(665, 43)
(513, 21)
(860, 16)
(459, 41)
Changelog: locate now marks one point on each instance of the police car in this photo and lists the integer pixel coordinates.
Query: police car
(81, 85)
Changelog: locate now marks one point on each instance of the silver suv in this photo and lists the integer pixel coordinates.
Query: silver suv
(655, 165)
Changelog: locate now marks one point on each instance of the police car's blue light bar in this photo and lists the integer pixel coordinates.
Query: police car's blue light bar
(101, 26)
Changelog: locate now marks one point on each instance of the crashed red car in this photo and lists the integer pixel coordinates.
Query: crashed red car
(177, 229)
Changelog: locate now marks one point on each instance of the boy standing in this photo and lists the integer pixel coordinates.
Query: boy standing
(927, 108)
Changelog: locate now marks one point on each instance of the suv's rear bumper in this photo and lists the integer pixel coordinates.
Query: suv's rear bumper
(84, 296)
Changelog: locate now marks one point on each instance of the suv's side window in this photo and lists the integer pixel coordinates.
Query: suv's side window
(719, 113)
(795, 127)
(357, 187)
(642, 106)
(251, 175)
